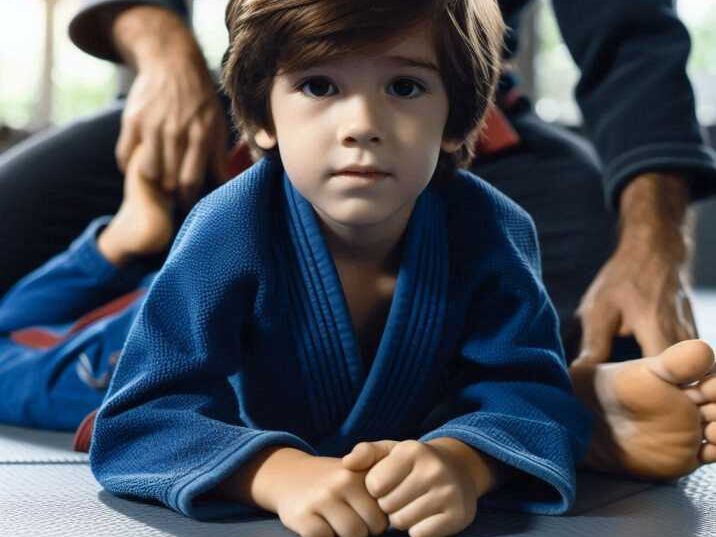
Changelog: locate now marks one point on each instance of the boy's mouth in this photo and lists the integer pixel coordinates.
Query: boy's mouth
(367, 172)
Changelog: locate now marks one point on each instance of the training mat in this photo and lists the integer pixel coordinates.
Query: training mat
(595, 490)
(64, 500)
(26, 446)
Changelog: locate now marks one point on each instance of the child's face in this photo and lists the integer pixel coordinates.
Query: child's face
(360, 137)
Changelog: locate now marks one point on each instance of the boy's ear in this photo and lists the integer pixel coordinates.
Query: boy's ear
(450, 146)
(264, 140)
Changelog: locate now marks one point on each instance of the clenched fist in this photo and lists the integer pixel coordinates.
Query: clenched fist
(424, 488)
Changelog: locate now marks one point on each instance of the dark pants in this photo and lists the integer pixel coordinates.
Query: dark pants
(52, 185)
(555, 176)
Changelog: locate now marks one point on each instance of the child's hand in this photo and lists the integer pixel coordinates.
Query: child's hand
(424, 488)
(320, 498)
(144, 224)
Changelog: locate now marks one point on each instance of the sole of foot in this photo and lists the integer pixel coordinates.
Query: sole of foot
(655, 417)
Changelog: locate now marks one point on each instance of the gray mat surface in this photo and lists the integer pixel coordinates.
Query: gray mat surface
(64, 500)
(23, 446)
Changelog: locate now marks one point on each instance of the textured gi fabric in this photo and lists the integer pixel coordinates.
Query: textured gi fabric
(244, 341)
(61, 330)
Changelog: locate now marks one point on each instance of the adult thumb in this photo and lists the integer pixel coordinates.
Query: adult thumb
(598, 332)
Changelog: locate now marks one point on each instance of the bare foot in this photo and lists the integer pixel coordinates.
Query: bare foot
(655, 418)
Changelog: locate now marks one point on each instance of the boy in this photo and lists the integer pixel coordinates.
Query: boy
(249, 366)
(356, 265)
(351, 286)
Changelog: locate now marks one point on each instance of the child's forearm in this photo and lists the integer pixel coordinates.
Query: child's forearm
(256, 481)
(486, 472)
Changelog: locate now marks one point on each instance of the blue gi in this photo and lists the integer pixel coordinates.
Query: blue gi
(62, 328)
(244, 341)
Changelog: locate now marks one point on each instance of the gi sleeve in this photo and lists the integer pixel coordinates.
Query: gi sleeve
(69, 285)
(511, 397)
(91, 27)
(637, 102)
(170, 426)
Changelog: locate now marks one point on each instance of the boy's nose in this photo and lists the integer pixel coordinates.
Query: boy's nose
(361, 124)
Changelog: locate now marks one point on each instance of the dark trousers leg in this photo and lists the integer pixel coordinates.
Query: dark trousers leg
(51, 186)
(555, 176)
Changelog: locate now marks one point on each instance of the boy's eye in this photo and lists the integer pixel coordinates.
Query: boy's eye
(318, 87)
(406, 88)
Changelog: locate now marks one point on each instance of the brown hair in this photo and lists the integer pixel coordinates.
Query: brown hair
(265, 35)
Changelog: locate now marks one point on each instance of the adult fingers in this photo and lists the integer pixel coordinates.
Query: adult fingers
(655, 336)
(150, 157)
(173, 144)
(599, 327)
(193, 166)
(129, 139)
(672, 322)
(365, 454)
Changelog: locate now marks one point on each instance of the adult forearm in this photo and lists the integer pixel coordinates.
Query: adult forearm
(640, 291)
(653, 211)
(146, 36)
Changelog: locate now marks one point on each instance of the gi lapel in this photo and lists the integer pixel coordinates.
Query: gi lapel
(348, 401)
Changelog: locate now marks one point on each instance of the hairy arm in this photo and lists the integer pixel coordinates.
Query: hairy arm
(173, 115)
(642, 290)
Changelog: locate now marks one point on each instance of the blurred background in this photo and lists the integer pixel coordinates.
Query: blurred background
(45, 80)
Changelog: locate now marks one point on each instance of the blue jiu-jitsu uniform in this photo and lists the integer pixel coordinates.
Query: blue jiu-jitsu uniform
(244, 341)
(62, 328)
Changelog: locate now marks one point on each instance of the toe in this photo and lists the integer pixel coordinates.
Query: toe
(710, 433)
(708, 453)
(708, 388)
(702, 393)
(683, 363)
(708, 412)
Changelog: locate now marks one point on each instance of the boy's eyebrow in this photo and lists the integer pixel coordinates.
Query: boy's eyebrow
(414, 62)
(405, 61)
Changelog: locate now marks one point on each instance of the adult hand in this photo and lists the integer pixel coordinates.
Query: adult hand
(641, 290)
(173, 115)
(428, 489)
